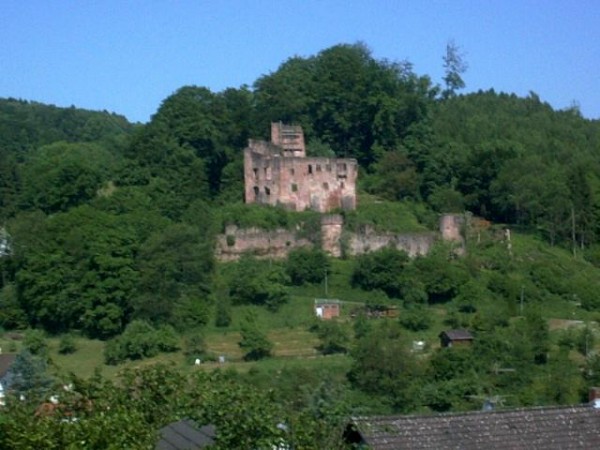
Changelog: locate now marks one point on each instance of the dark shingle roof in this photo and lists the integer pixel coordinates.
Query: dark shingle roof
(185, 435)
(574, 427)
(457, 335)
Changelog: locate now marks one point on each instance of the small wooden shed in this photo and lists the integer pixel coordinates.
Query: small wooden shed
(451, 338)
(327, 309)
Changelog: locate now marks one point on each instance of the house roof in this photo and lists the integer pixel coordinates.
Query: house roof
(548, 428)
(5, 362)
(185, 435)
(457, 335)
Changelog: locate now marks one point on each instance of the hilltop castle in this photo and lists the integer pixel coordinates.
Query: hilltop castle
(279, 173)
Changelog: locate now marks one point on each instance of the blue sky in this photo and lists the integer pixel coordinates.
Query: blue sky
(127, 56)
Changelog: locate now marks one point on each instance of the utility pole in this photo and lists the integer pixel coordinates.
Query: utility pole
(573, 237)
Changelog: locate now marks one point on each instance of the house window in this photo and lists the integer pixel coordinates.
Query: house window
(318, 167)
(326, 186)
(341, 167)
(256, 191)
(255, 173)
(310, 169)
(292, 171)
(294, 187)
(267, 191)
(328, 167)
(342, 185)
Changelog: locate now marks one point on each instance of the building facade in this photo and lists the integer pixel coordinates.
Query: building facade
(280, 173)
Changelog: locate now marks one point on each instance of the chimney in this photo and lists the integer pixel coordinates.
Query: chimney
(595, 397)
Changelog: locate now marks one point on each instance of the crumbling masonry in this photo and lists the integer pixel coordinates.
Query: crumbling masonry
(279, 173)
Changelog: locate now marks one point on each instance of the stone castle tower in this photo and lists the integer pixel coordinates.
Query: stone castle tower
(279, 173)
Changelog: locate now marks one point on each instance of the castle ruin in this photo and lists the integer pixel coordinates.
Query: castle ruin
(279, 173)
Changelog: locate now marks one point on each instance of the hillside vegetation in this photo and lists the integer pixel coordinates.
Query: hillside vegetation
(111, 227)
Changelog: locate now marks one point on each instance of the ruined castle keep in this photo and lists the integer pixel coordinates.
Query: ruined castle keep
(279, 173)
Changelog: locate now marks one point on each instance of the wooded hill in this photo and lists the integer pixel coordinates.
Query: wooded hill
(111, 225)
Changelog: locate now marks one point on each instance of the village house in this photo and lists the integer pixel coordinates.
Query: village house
(279, 173)
(543, 428)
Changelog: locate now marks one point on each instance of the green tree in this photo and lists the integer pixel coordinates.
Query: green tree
(61, 175)
(454, 67)
(382, 270)
(30, 375)
(78, 272)
(254, 342)
(175, 268)
(383, 365)
(333, 337)
(258, 284)
(306, 265)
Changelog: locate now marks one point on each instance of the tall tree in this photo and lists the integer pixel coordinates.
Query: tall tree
(454, 66)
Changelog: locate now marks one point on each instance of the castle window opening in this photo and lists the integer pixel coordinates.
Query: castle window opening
(314, 185)
(342, 185)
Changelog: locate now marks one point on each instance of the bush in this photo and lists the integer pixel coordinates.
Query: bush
(223, 314)
(35, 342)
(67, 345)
(254, 342)
(334, 338)
(416, 319)
(381, 269)
(141, 340)
(259, 284)
(307, 265)
(194, 346)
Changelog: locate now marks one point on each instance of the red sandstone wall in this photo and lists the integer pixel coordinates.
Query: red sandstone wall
(320, 184)
(277, 244)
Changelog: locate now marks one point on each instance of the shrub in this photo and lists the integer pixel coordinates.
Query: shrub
(223, 314)
(307, 265)
(67, 345)
(334, 338)
(141, 340)
(416, 319)
(35, 342)
(254, 342)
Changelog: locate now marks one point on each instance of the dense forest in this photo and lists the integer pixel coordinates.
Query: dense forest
(110, 229)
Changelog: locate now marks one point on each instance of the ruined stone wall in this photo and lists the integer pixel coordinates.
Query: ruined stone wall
(332, 227)
(274, 244)
(290, 138)
(279, 173)
(415, 244)
(334, 241)
(320, 184)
